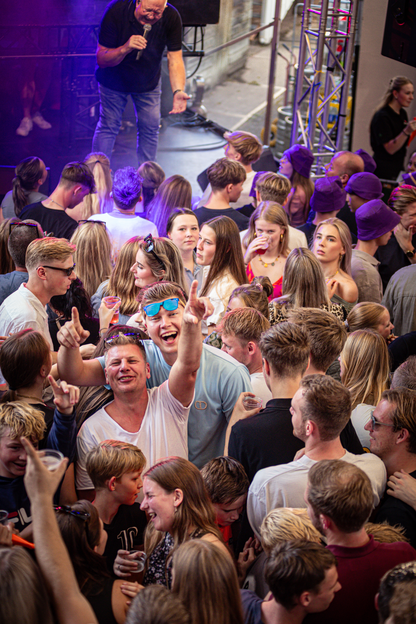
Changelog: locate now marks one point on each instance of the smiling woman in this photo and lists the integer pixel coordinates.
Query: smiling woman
(179, 509)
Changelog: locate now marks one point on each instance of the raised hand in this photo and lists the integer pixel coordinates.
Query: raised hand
(65, 396)
(258, 243)
(72, 334)
(197, 308)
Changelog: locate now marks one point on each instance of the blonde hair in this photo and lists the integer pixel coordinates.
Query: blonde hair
(385, 533)
(365, 366)
(113, 458)
(92, 241)
(401, 198)
(273, 187)
(22, 420)
(214, 578)
(346, 241)
(246, 144)
(395, 84)
(247, 324)
(272, 212)
(49, 249)
(122, 281)
(365, 315)
(286, 524)
(99, 202)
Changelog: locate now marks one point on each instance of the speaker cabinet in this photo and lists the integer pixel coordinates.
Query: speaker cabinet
(198, 12)
(399, 41)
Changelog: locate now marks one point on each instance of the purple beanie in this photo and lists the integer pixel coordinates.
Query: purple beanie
(301, 159)
(375, 218)
(365, 185)
(329, 195)
(409, 179)
(370, 164)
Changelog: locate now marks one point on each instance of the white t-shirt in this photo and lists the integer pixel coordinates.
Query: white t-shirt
(285, 485)
(121, 227)
(163, 432)
(23, 310)
(360, 416)
(260, 388)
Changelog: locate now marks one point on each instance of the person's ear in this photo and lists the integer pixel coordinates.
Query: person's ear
(111, 484)
(304, 599)
(403, 435)
(251, 346)
(178, 497)
(266, 367)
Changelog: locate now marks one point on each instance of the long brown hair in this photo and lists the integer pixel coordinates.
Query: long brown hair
(122, 281)
(81, 534)
(214, 577)
(28, 173)
(174, 192)
(228, 257)
(101, 201)
(92, 241)
(22, 356)
(345, 238)
(308, 187)
(6, 261)
(171, 257)
(303, 281)
(195, 511)
(272, 212)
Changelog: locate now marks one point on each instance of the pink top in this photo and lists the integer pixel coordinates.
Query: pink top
(277, 286)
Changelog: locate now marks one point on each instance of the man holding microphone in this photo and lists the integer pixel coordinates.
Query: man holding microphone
(132, 37)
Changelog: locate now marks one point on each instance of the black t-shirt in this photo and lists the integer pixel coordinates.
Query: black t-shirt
(126, 529)
(246, 210)
(385, 126)
(117, 26)
(204, 214)
(54, 222)
(395, 511)
(391, 258)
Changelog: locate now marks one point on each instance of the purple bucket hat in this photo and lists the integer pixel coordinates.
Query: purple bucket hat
(301, 159)
(370, 164)
(329, 195)
(365, 185)
(374, 219)
(409, 179)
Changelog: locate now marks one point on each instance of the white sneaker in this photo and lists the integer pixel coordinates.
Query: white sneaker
(25, 127)
(41, 122)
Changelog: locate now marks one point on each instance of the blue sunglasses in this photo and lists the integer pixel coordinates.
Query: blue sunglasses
(151, 309)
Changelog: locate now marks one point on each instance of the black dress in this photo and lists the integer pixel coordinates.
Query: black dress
(385, 126)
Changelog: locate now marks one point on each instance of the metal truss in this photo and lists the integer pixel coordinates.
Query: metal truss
(320, 102)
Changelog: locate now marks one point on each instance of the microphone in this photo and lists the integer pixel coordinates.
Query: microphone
(146, 28)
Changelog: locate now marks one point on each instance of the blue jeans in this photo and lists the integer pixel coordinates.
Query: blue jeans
(112, 105)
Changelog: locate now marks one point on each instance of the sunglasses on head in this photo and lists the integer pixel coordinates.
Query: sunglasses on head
(138, 336)
(83, 515)
(148, 246)
(151, 309)
(21, 224)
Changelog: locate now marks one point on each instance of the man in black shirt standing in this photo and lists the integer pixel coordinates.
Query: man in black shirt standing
(132, 37)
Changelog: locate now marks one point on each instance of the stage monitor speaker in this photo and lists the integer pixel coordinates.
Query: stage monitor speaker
(198, 12)
(399, 41)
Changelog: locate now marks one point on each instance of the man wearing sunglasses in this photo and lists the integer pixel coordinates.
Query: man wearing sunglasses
(392, 429)
(155, 420)
(220, 379)
(50, 266)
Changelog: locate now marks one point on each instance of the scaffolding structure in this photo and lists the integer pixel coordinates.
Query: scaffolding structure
(322, 92)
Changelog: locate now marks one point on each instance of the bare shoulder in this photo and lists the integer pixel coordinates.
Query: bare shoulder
(213, 539)
(347, 287)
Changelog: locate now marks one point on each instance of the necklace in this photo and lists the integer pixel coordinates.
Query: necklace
(27, 396)
(331, 277)
(266, 264)
(55, 202)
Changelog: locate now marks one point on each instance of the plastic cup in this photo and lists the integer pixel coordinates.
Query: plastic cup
(140, 558)
(251, 402)
(50, 458)
(262, 251)
(110, 302)
(3, 516)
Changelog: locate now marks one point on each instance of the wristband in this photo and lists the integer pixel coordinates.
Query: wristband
(405, 133)
(177, 91)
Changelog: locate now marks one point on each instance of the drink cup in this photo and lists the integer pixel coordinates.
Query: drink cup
(110, 302)
(263, 250)
(140, 557)
(50, 458)
(251, 402)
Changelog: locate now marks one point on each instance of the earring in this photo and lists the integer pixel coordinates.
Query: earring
(340, 258)
(281, 237)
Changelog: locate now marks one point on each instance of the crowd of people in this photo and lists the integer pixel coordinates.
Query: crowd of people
(234, 412)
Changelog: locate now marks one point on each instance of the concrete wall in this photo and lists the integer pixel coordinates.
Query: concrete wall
(235, 20)
(374, 71)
